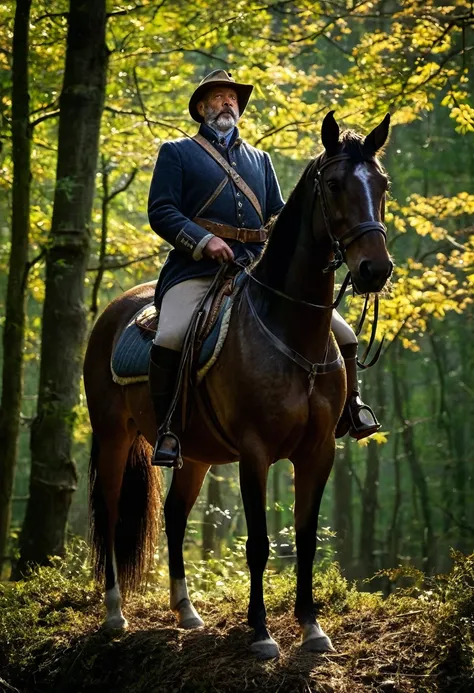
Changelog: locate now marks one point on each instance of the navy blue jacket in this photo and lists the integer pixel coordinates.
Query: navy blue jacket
(184, 178)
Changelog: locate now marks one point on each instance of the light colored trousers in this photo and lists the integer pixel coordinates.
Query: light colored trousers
(178, 305)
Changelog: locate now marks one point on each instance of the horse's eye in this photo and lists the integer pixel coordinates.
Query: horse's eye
(333, 185)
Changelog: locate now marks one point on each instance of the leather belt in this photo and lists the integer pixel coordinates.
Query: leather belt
(225, 231)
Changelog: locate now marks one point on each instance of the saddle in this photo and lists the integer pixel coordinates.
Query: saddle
(208, 330)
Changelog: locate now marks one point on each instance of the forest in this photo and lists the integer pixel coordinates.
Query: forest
(82, 122)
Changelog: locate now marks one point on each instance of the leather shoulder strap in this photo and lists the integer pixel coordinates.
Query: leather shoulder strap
(235, 177)
(213, 197)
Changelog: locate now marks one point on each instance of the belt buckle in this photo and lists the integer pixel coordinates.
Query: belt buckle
(240, 232)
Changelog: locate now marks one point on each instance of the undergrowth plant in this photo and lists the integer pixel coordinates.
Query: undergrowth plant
(423, 632)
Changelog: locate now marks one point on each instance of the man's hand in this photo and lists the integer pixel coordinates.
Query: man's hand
(217, 249)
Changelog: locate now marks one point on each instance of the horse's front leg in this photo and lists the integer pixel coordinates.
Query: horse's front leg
(182, 495)
(311, 474)
(253, 483)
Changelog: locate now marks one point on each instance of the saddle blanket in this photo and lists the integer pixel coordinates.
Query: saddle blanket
(132, 352)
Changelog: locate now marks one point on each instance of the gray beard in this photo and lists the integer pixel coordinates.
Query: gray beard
(223, 124)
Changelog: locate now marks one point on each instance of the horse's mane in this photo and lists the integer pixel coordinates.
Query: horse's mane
(352, 145)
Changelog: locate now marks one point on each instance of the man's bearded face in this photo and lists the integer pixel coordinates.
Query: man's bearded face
(220, 109)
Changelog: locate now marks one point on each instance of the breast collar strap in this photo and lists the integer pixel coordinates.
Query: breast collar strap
(339, 245)
(312, 369)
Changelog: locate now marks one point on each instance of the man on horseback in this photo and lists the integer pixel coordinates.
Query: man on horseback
(210, 198)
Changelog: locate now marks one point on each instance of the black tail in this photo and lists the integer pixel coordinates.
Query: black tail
(138, 520)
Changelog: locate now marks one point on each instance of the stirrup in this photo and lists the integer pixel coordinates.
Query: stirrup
(367, 429)
(167, 458)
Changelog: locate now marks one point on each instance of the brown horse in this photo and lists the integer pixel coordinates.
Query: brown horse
(277, 391)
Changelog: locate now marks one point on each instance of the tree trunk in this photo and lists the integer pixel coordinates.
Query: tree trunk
(454, 497)
(276, 493)
(343, 520)
(107, 197)
(419, 480)
(103, 239)
(367, 540)
(53, 473)
(394, 531)
(369, 510)
(13, 333)
(211, 515)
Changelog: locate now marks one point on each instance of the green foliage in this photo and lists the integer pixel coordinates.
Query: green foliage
(48, 609)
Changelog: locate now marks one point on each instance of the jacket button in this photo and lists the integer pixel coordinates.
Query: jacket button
(239, 204)
(238, 194)
(234, 163)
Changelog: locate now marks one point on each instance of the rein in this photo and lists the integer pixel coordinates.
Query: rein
(313, 369)
(301, 302)
(361, 363)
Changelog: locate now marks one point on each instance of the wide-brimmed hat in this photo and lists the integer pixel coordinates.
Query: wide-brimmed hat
(219, 78)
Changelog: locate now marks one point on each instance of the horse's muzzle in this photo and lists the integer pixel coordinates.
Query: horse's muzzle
(371, 275)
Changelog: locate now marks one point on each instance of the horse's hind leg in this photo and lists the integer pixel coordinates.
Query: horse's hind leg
(109, 461)
(311, 474)
(182, 495)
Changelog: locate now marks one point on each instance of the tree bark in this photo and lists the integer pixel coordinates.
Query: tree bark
(53, 473)
(15, 314)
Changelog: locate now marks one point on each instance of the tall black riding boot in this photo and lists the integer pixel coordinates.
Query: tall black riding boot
(357, 419)
(162, 375)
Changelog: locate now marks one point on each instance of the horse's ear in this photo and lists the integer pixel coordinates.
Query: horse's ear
(330, 133)
(377, 138)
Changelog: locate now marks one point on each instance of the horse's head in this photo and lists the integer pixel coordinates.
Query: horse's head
(352, 186)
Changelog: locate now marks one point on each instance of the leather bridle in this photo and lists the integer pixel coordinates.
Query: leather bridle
(339, 247)
(341, 244)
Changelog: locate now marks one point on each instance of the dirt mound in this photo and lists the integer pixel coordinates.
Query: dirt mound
(416, 640)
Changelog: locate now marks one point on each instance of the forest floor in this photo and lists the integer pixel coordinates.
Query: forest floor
(421, 638)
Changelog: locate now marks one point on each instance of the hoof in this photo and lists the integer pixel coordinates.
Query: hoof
(315, 639)
(265, 649)
(191, 623)
(188, 617)
(115, 623)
